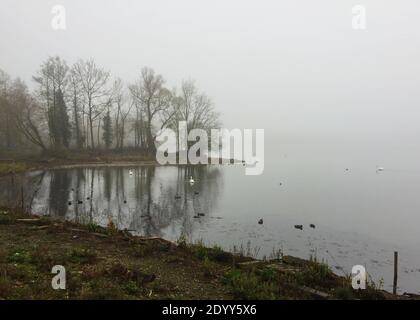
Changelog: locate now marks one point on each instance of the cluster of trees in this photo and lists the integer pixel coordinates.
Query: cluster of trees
(83, 107)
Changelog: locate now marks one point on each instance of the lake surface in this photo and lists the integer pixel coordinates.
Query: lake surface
(361, 216)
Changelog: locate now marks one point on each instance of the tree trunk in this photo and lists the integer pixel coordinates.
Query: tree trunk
(92, 143)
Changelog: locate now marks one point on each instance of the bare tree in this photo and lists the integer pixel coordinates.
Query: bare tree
(93, 81)
(122, 131)
(28, 116)
(76, 98)
(117, 98)
(6, 133)
(139, 126)
(155, 101)
(195, 108)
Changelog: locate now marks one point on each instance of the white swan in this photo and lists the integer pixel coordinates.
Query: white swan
(191, 180)
(130, 172)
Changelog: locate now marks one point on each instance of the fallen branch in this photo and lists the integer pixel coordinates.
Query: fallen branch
(314, 292)
(28, 220)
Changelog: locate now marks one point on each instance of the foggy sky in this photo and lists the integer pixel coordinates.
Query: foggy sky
(294, 68)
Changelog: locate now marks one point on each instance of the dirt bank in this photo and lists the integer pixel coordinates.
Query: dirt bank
(103, 263)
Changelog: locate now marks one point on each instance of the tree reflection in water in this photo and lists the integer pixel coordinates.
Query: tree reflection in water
(144, 203)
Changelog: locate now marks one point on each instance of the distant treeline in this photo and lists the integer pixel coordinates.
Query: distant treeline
(83, 107)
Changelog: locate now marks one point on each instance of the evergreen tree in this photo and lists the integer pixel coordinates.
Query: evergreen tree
(62, 128)
(107, 130)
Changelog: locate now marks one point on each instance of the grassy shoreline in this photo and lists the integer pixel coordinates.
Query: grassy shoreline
(104, 263)
(23, 163)
(16, 164)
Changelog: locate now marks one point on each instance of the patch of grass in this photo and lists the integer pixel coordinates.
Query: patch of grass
(267, 274)
(249, 286)
(6, 287)
(131, 287)
(246, 251)
(119, 271)
(111, 228)
(19, 256)
(122, 272)
(44, 260)
(6, 219)
(214, 253)
(82, 256)
(182, 242)
(315, 274)
(143, 250)
(102, 289)
(21, 272)
(346, 292)
(12, 167)
(343, 293)
(208, 268)
(93, 227)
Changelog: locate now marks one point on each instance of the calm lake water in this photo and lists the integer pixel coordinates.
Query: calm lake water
(361, 216)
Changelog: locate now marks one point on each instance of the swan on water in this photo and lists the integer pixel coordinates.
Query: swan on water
(191, 180)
